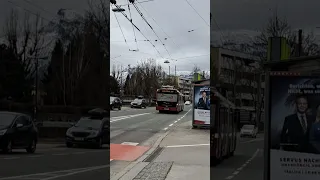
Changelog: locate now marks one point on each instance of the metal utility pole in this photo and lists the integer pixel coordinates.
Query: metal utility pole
(175, 70)
(169, 70)
(121, 81)
(300, 43)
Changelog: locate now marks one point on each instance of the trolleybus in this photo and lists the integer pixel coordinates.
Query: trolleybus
(223, 127)
(169, 99)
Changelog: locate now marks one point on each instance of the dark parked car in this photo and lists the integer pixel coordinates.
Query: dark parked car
(17, 131)
(139, 102)
(92, 130)
(115, 102)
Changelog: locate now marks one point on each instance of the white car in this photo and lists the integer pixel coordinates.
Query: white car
(249, 130)
(187, 103)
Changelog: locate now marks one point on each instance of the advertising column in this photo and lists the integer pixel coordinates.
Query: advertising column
(294, 127)
(201, 105)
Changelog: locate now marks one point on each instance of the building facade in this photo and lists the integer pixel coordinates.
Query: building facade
(241, 76)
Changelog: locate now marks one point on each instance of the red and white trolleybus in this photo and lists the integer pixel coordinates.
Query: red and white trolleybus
(223, 127)
(169, 99)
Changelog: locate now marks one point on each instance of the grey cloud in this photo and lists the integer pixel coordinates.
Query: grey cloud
(176, 18)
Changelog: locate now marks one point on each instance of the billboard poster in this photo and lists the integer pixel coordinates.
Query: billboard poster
(201, 104)
(294, 127)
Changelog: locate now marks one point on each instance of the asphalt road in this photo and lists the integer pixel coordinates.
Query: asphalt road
(54, 162)
(246, 164)
(139, 127)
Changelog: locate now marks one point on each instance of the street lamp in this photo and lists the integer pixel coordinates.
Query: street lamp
(167, 62)
(36, 83)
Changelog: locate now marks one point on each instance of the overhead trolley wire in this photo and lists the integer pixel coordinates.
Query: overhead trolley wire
(197, 12)
(125, 40)
(134, 32)
(137, 29)
(158, 25)
(142, 16)
(222, 35)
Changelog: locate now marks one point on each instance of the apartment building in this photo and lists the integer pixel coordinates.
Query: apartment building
(240, 75)
(184, 84)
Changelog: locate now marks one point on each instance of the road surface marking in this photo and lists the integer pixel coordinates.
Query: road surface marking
(177, 120)
(61, 154)
(75, 171)
(240, 168)
(126, 117)
(125, 152)
(229, 177)
(190, 145)
(244, 165)
(11, 158)
(130, 143)
(236, 172)
(79, 153)
(35, 156)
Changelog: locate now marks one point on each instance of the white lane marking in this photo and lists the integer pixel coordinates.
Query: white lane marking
(35, 156)
(9, 158)
(166, 128)
(189, 145)
(115, 119)
(69, 172)
(244, 165)
(229, 177)
(79, 153)
(60, 154)
(130, 143)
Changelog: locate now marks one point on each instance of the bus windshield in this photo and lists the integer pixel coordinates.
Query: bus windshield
(167, 97)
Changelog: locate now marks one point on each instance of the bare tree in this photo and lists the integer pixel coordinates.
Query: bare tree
(145, 78)
(26, 40)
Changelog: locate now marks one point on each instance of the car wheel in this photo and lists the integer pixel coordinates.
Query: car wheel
(32, 147)
(69, 145)
(111, 107)
(119, 108)
(8, 148)
(131, 106)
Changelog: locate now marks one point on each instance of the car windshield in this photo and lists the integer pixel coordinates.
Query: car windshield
(248, 127)
(6, 119)
(88, 122)
(137, 100)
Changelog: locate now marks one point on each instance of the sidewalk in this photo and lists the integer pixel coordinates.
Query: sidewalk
(183, 154)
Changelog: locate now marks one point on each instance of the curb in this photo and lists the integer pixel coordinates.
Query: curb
(142, 158)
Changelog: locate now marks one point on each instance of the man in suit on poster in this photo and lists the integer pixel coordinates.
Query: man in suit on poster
(296, 127)
(203, 101)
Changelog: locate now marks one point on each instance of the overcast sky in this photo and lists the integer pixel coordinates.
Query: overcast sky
(173, 20)
(46, 8)
(247, 17)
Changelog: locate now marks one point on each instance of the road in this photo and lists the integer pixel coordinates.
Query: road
(53, 161)
(139, 128)
(246, 164)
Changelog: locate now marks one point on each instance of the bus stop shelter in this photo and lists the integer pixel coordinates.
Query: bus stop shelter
(286, 80)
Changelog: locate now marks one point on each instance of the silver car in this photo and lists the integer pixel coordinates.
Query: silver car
(249, 131)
